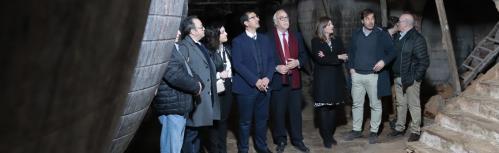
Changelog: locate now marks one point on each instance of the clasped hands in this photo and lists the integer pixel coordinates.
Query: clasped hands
(290, 64)
(263, 84)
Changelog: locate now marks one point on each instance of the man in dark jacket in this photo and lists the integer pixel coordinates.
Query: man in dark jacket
(371, 49)
(409, 69)
(173, 101)
(286, 96)
(207, 109)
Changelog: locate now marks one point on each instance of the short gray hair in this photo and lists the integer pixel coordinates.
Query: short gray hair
(275, 15)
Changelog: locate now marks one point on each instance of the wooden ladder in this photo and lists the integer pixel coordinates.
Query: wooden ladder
(481, 56)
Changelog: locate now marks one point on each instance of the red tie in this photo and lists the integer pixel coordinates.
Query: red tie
(286, 47)
(286, 56)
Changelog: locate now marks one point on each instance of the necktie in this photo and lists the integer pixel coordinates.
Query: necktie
(285, 54)
(286, 48)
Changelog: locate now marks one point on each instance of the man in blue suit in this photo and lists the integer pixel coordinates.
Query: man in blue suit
(254, 66)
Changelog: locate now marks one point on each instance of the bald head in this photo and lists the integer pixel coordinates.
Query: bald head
(406, 22)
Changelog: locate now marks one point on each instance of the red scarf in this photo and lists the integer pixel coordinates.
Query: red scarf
(293, 53)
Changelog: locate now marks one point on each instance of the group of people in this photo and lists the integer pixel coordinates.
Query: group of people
(260, 74)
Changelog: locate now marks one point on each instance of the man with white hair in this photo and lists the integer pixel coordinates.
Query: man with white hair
(409, 70)
(286, 98)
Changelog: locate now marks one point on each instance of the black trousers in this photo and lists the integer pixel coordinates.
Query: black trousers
(216, 141)
(327, 125)
(285, 105)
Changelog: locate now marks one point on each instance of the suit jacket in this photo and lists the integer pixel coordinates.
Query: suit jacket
(245, 64)
(302, 57)
(329, 80)
(384, 51)
(207, 106)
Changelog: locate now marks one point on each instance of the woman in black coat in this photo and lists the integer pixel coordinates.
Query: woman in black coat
(329, 80)
(215, 38)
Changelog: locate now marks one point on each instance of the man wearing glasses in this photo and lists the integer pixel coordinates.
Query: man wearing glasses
(207, 107)
(253, 61)
(286, 97)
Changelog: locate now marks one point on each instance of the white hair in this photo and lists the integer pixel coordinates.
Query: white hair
(275, 15)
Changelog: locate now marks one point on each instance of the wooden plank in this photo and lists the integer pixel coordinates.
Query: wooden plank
(384, 13)
(447, 44)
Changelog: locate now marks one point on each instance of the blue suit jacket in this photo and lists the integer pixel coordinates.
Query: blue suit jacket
(244, 62)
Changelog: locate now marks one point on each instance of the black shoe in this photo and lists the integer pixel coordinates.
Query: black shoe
(328, 145)
(396, 133)
(373, 138)
(280, 147)
(413, 137)
(301, 146)
(352, 135)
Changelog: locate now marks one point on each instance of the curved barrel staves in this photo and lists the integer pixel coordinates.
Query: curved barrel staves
(159, 35)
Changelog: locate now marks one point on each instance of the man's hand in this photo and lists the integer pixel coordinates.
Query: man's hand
(282, 69)
(200, 88)
(352, 71)
(292, 63)
(259, 85)
(265, 84)
(379, 66)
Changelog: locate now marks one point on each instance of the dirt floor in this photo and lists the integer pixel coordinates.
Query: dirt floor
(314, 142)
(147, 138)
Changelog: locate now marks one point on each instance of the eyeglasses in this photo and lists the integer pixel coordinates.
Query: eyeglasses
(404, 21)
(253, 17)
(202, 28)
(284, 18)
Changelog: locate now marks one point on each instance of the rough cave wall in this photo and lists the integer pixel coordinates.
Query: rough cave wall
(66, 69)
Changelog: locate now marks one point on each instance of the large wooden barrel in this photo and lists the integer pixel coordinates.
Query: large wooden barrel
(162, 24)
(66, 67)
(496, 2)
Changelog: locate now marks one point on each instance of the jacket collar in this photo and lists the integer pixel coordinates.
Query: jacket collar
(191, 44)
